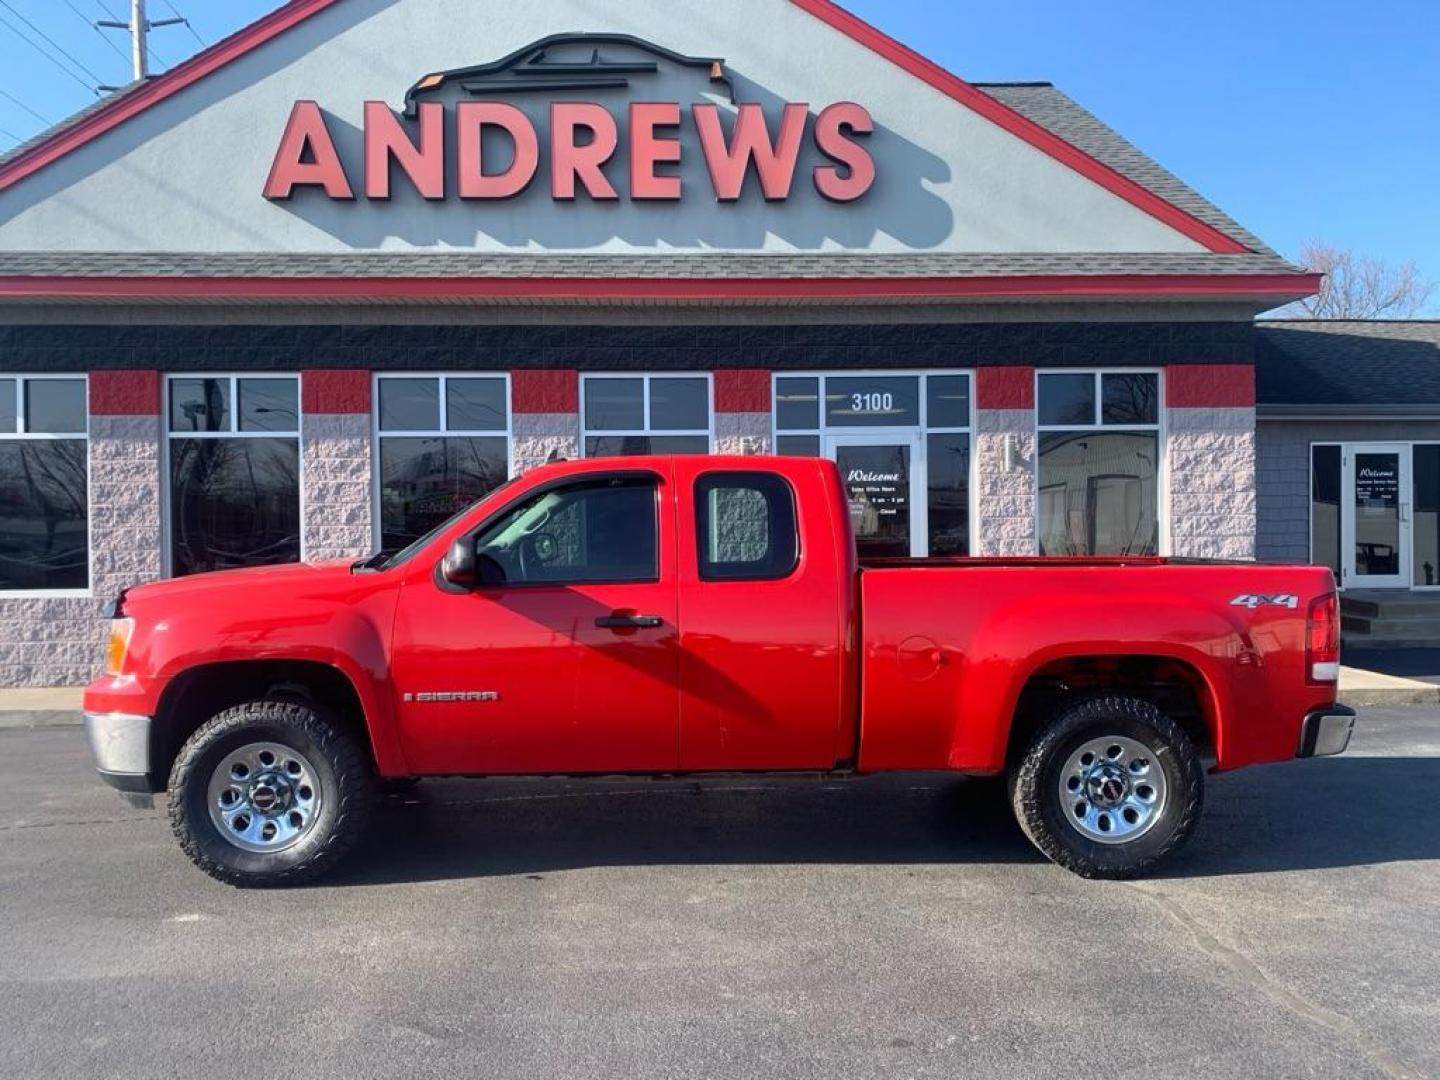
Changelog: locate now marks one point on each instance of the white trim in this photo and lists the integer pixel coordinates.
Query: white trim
(645, 378)
(920, 466)
(1163, 539)
(167, 562)
(507, 433)
(21, 435)
(1404, 491)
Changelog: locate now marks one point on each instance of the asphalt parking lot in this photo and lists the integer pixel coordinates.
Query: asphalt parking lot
(885, 927)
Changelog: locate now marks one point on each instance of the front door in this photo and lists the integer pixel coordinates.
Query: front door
(1375, 526)
(884, 481)
(566, 657)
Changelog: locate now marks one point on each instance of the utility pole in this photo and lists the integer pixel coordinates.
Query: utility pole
(139, 28)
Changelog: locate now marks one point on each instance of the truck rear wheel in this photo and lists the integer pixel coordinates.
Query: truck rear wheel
(1110, 789)
(269, 793)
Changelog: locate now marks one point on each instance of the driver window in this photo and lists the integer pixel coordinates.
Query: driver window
(594, 532)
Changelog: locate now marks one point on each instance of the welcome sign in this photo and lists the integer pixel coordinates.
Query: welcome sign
(491, 149)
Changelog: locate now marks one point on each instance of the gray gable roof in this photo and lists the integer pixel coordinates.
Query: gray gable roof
(1344, 367)
(1059, 114)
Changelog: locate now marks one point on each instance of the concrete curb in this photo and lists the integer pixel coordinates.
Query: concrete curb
(36, 718)
(1380, 696)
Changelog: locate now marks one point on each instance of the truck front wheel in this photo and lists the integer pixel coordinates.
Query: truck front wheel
(269, 793)
(1110, 789)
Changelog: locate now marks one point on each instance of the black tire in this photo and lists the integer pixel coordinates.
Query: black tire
(1036, 778)
(343, 777)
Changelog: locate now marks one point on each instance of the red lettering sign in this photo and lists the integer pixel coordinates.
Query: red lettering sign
(584, 139)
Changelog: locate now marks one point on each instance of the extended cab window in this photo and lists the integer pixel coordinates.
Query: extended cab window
(745, 523)
(596, 531)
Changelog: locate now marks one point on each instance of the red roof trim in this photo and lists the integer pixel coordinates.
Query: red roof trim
(1022, 127)
(158, 89)
(1283, 286)
(297, 11)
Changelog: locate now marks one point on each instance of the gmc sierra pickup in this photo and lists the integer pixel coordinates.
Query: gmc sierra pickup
(686, 615)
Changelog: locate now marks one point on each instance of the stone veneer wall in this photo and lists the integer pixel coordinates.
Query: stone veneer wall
(742, 411)
(57, 641)
(335, 468)
(544, 418)
(1210, 426)
(1005, 496)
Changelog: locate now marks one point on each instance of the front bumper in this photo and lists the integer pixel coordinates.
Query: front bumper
(121, 745)
(1326, 731)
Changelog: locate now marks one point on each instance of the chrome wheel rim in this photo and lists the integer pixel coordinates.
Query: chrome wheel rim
(1112, 789)
(264, 797)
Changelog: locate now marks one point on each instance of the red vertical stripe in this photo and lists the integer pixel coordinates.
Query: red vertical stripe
(1005, 388)
(549, 391)
(125, 393)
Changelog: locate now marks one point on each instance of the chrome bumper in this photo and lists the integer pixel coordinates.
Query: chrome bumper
(1326, 731)
(121, 745)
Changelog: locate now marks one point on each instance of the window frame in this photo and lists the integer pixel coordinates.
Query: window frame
(377, 525)
(701, 513)
(1162, 441)
(21, 435)
(923, 428)
(646, 377)
(167, 561)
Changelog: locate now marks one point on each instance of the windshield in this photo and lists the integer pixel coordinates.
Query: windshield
(384, 560)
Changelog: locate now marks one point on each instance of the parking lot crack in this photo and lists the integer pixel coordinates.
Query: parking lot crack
(1249, 972)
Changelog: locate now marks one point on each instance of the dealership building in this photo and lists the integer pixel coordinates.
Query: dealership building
(306, 294)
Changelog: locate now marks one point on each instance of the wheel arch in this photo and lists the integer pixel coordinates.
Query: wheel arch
(199, 692)
(1176, 685)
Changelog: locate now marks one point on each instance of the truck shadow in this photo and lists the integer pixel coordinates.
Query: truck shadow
(1348, 811)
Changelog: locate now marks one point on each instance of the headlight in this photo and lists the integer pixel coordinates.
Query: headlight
(117, 645)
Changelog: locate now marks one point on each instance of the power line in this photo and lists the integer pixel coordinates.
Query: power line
(106, 9)
(6, 93)
(174, 11)
(53, 43)
(40, 49)
(11, 136)
(103, 36)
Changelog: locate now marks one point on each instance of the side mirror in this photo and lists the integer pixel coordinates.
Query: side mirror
(458, 566)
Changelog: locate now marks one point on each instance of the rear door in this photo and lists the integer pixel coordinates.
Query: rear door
(567, 659)
(762, 618)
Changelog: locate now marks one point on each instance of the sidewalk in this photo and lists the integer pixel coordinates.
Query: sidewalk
(1369, 685)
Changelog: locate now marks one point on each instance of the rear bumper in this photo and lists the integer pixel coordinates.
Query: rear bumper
(120, 743)
(1326, 731)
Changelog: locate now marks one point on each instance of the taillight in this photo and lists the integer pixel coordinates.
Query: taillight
(1322, 637)
(117, 645)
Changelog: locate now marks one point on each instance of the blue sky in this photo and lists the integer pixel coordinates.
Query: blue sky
(1303, 120)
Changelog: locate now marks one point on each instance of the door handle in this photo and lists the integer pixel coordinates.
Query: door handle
(629, 622)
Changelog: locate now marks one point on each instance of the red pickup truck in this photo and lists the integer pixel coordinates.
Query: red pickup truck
(688, 615)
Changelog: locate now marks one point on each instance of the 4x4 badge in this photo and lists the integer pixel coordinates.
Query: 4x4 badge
(1254, 600)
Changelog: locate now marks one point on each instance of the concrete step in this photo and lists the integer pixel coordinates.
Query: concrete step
(1403, 606)
(1418, 631)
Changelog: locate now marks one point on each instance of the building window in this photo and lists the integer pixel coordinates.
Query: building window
(1099, 451)
(44, 494)
(645, 414)
(916, 421)
(443, 442)
(234, 464)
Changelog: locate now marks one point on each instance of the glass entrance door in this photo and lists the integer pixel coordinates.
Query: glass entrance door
(1375, 537)
(883, 478)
